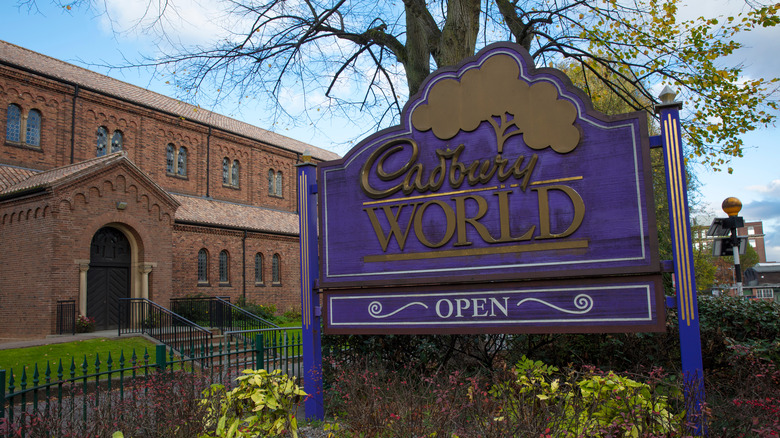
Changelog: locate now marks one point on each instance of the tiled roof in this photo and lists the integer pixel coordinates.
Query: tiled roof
(88, 79)
(10, 175)
(212, 212)
(50, 177)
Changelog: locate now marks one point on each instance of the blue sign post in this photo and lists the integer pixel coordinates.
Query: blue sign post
(687, 307)
(310, 304)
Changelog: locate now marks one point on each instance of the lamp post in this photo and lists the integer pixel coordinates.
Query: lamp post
(732, 206)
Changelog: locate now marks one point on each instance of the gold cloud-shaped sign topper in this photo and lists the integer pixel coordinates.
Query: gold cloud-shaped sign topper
(495, 94)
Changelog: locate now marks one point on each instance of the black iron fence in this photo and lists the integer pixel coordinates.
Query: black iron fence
(139, 315)
(27, 398)
(66, 317)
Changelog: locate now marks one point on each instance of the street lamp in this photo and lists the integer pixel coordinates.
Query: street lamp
(729, 243)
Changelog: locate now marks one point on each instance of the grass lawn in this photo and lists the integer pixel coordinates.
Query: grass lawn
(18, 358)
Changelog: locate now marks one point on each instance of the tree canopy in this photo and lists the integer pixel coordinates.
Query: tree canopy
(367, 57)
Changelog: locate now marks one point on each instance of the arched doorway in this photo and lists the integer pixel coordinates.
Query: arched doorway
(108, 278)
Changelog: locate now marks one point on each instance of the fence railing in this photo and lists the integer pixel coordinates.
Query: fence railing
(82, 387)
(66, 317)
(218, 312)
(139, 315)
(281, 348)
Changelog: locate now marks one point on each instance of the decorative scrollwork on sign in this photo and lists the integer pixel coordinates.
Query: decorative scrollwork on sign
(375, 308)
(582, 302)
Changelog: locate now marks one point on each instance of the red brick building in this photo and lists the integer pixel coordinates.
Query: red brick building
(108, 190)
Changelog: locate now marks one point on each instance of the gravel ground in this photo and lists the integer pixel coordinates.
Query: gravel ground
(312, 432)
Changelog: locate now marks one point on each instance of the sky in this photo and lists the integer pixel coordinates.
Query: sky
(88, 39)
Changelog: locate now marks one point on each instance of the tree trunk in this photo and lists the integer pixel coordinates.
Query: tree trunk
(448, 47)
(417, 62)
(459, 36)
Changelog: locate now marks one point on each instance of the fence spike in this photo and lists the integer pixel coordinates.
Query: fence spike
(97, 362)
(121, 358)
(59, 370)
(23, 383)
(72, 367)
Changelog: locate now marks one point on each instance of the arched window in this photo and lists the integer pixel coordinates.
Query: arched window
(258, 268)
(234, 180)
(225, 171)
(13, 126)
(181, 168)
(203, 266)
(33, 134)
(170, 161)
(271, 182)
(279, 184)
(224, 271)
(276, 269)
(102, 141)
(116, 142)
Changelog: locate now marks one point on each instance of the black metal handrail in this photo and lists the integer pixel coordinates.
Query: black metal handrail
(66, 317)
(219, 312)
(205, 311)
(241, 319)
(140, 315)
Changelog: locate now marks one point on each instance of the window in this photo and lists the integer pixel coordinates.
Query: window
(234, 180)
(181, 164)
(224, 276)
(276, 276)
(116, 142)
(102, 141)
(751, 230)
(203, 266)
(230, 172)
(258, 268)
(13, 127)
(175, 160)
(20, 128)
(764, 293)
(33, 131)
(169, 158)
(752, 243)
(275, 183)
(225, 171)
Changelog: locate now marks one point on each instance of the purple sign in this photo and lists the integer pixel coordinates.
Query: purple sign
(583, 307)
(498, 171)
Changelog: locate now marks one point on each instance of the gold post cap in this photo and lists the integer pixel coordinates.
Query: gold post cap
(731, 206)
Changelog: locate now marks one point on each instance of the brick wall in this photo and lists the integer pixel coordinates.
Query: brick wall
(39, 251)
(189, 240)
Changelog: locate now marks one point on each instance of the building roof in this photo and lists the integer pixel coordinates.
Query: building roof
(47, 178)
(88, 79)
(767, 267)
(11, 175)
(208, 211)
(62, 175)
(192, 209)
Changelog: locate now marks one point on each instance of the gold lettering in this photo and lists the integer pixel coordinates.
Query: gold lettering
(392, 219)
(503, 216)
(382, 154)
(460, 214)
(450, 224)
(544, 211)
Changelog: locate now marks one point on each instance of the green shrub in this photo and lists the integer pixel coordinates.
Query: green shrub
(591, 404)
(265, 311)
(261, 403)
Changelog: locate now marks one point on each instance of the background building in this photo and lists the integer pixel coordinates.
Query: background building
(108, 190)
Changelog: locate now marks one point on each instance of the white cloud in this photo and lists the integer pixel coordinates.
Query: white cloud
(181, 21)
